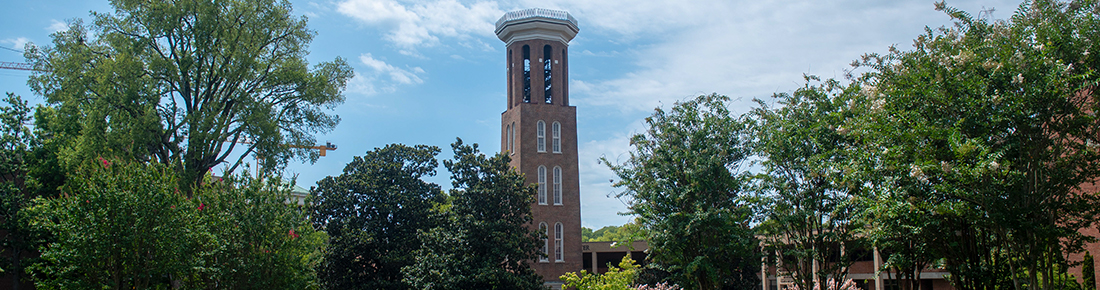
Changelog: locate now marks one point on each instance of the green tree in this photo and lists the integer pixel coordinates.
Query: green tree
(809, 196)
(985, 128)
(254, 238)
(625, 233)
(686, 182)
(1088, 272)
(485, 242)
(185, 83)
(118, 225)
(616, 278)
(16, 155)
(372, 213)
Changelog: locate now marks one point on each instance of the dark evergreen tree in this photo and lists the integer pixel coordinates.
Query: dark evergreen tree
(372, 213)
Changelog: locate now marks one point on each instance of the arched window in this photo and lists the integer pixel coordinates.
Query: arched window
(559, 256)
(512, 138)
(557, 185)
(541, 134)
(555, 132)
(545, 257)
(546, 53)
(526, 74)
(542, 184)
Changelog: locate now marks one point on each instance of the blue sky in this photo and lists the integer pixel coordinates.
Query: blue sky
(428, 71)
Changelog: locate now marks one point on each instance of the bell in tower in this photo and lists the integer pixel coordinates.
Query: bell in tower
(539, 130)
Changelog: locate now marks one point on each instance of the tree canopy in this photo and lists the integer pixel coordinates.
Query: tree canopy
(187, 84)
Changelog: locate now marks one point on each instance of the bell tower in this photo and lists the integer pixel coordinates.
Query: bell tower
(539, 130)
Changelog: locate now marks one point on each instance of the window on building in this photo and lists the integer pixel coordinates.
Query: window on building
(512, 138)
(555, 132)
(559, 256)
(541, 134)
(542, 184)
(546, 53)
(557, 185)
(526, 74)
(545, 242)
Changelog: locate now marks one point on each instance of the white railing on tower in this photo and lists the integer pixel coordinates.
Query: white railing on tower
(535, 12)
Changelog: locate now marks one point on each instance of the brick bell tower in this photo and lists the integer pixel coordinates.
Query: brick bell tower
(539, 130)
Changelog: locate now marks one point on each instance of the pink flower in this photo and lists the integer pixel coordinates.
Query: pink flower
(292, 234)
(202, 206)
(105, 162)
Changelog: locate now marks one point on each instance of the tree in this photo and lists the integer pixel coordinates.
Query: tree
(809, 194)
(1088, 272)
(616, 278)
(16, 155)
(486, 242)
(119, 225)
(372, 214)
(624, 233)
(685, 181)
(985, 128)
(184, 83)
(255, 238)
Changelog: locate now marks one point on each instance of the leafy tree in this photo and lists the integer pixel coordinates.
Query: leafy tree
(372, 213)
(485, 242)
(254, 238)
(1088, 272)
(16, 141)
(810, 194)
(118, 225)
(685, 181)
(616, 278)
(626, 232)
(985, 130)
(184, 83)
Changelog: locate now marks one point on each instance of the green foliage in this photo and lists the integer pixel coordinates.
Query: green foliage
(685, 181)
(808, 188)
(184, 83)
(982, 135)
(372, 213)
(16, 156)
(118, 225)
(1088, 272)
(616, 278)
(255, 238)
(484, 243)
(624, 233)
(124, 225)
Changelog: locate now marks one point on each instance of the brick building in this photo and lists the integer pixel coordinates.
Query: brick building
(539, 130)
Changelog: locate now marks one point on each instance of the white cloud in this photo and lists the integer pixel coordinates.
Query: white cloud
(412, 24)
(16, 43)
(398, 75)
(57, 26)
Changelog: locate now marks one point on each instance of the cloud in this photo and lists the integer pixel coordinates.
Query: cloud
(382, 77)
(16, 43)
(57, 26)
(398, 75)
(413, 24)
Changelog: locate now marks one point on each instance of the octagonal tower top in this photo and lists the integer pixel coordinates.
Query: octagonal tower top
(536, 23)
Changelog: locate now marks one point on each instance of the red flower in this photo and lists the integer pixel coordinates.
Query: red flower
(105, 162)
(202, 206)
(292, 234)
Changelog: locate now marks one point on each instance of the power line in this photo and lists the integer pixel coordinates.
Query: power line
(11, 49)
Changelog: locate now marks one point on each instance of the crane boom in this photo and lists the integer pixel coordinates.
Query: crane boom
(17, 65)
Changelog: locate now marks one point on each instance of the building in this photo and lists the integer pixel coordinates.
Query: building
(539, 130)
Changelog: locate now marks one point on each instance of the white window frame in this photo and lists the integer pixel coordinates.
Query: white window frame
(545, 243)
(557, 185)
(541, 134)
(542, 185)
(559, 255)
(555, 131)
